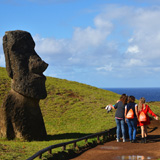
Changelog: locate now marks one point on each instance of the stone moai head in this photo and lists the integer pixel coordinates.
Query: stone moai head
(23, 64)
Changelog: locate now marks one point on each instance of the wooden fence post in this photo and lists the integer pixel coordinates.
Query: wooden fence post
(74, 145)
(64, 147)
(98, 141)
(40, 156)
(50, 151)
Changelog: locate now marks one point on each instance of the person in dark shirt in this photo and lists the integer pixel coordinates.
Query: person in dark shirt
(132, 123)
(120, 118)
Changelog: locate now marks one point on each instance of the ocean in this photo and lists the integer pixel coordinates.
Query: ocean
(150, 94)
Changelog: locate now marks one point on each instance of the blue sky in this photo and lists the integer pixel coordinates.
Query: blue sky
(103, 43)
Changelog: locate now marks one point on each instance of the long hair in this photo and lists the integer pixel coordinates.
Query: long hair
(141, 104)
(131, 99)
(124, 98)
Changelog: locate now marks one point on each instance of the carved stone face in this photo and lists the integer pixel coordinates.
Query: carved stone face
(23, 64)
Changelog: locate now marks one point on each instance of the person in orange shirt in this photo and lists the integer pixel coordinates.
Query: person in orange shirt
(145, 108)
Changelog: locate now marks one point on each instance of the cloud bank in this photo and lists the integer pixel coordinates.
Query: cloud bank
(123, 42)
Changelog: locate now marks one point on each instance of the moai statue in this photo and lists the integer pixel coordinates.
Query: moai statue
(20, 114)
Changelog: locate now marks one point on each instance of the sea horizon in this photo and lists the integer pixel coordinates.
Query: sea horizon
(149, 93)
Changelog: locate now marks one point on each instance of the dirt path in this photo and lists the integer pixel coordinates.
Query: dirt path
(128, 151)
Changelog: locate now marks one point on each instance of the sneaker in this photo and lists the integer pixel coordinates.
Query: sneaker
(118, 140)
(124, 140)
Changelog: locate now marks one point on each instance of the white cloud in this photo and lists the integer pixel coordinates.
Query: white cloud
(48, 45)
(156, 69)
(89, 37)
(102, 24)
(134, 63)
(146, 33)
(105, 68)
(91, 47)
(123, 40)
(80, 50)
(86, 37)
(133, 49)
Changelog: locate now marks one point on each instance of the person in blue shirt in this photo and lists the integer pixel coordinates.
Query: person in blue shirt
(132, 123)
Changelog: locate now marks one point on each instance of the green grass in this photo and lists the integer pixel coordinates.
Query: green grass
(70, 111)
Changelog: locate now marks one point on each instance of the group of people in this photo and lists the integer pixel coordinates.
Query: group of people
(122, 107)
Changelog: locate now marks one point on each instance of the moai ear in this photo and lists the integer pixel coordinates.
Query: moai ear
(7, 57)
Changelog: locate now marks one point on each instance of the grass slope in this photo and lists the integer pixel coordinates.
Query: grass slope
(71, 110)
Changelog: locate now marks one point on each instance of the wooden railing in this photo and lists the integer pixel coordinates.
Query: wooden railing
(106, 135)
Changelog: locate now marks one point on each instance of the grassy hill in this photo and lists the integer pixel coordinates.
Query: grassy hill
(71, 110)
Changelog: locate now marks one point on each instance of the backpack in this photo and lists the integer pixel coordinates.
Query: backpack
(130, 114)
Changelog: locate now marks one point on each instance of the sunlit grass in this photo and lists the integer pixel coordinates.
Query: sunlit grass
(70, 111)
